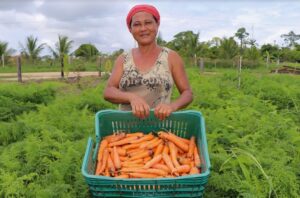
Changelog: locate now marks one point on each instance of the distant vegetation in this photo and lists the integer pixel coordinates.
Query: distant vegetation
(215, 53)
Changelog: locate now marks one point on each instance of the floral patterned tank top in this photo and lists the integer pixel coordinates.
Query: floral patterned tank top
(154, 85)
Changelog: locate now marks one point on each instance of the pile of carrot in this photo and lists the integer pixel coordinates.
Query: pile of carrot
(138, 155)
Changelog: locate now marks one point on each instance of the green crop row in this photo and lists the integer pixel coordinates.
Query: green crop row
(253, 134)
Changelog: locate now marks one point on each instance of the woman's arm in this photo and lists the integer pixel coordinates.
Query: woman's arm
(180, 78)
(113, 94)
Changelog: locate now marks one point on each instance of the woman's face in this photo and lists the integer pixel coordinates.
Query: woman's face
(144, 28)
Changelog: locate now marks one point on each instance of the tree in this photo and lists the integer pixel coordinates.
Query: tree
(187, 44)
(228, 48)
(241, 34)
(160, 40)
(87, 51)
(272, 50)
(116, 53)
(62, 48)
(4, 51)
(291, 38)
(32, 50)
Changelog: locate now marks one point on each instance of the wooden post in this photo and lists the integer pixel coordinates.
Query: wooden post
(62, 66)
(268, 59)
(100, 64)
(201, 65)
(69, 60)
(239, 72)
(2, 60)
(19, 64)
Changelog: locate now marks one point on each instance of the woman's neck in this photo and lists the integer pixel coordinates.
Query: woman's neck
(144, 50)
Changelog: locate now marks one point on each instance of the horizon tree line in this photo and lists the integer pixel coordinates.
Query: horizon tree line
(186, 43)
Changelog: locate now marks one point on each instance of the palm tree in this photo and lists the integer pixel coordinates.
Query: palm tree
(187, 44)
(32, 49)
(62, 48)
(87, 51)
(4, 51)
(228, 48)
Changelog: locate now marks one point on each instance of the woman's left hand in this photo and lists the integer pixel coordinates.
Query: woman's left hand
(162, 111)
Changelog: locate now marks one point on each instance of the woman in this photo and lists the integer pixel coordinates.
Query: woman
(142, 79)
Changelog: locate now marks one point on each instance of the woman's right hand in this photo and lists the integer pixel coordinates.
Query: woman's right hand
(139, 106)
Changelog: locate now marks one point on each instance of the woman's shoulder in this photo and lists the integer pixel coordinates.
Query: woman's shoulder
(170, 51)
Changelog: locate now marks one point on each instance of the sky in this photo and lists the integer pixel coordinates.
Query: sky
(103, 24)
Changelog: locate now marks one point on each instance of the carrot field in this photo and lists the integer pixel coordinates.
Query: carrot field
(253, 133)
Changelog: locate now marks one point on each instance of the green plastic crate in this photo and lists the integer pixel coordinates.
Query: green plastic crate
(183, 123)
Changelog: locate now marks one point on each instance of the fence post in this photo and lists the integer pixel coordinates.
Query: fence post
(201, 65)
(2, 60)
(99, 64)
(69, 60)
(268, 59)
(62, 66)
(239, 72)
(19, 64)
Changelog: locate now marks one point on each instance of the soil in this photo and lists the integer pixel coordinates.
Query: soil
(45, 75)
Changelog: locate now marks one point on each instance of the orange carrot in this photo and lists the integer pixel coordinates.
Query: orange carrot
(133, 161)
(143, 170)
(123, 158)
(116, 158)
(162, 167)
(168, 162)
(120, 150)
(123, 141)
(155, 144)
(142, 175)
(182, 169)
(131, 146)
(146, 159)
(134, 165)
(142, 155)
(153, 171)
(194, 170)
(146, 143)
(166, 149)
(173, 154)
(147, 137)
(153, 161)
(133, 152)
(110, 165)
(192, 145)
(175, 140)
(115, 137)
(104, 161)
(122, 176)
(184, 161)
(197, 158)
(103, 145)
(158, 150)
(106, 172)
(98, 168)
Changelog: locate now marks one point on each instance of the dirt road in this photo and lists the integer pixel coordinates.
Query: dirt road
(43, 75)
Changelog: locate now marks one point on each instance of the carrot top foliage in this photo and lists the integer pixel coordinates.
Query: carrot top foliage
(252, 133)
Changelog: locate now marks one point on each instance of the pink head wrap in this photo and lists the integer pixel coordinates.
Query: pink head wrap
(139, 8)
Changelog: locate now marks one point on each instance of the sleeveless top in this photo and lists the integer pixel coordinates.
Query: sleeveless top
(154, 85)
